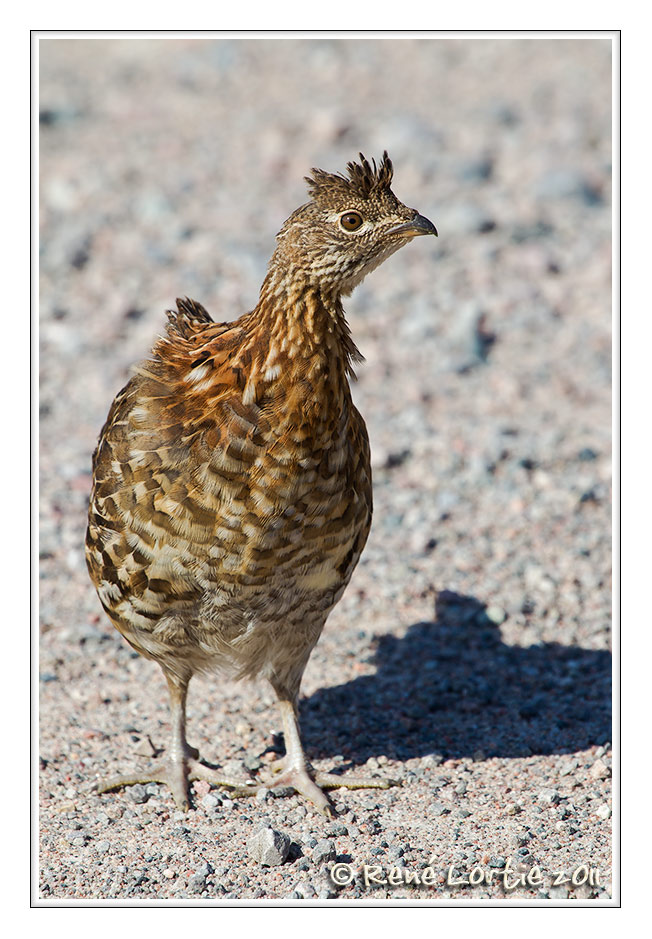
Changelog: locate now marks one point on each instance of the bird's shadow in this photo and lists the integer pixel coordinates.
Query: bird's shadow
(453, 687)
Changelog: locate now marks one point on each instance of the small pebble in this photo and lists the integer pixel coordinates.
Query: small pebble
(548, 796)
(197, 882)
(523, 836)
(324, 851)
(281, 792)
(495, 614)
(600, 770)
(304, 890)
(137, 793)
(438, 808)
(77, 837)
(253, 763)
(325, 888)
(431, 759)
(210, 802)
(269, 847)
(568, 767)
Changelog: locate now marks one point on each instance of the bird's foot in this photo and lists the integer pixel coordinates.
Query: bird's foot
(335, 781)
(171, 774)
(216, 777)
(298, 778)
(177, 775)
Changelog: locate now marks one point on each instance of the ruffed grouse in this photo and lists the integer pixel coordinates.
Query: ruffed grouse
(231, 483)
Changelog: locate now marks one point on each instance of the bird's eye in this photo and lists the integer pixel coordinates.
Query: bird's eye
(351, 221)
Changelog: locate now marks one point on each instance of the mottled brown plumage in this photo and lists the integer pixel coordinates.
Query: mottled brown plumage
(232, 488)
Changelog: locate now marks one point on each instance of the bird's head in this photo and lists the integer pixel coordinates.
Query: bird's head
(350, 225)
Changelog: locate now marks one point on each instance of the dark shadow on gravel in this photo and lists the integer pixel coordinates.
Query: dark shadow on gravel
(453, 687)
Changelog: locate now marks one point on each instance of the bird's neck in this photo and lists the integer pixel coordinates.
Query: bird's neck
(305, 325)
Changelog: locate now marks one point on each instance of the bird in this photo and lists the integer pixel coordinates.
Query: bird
(232, 494)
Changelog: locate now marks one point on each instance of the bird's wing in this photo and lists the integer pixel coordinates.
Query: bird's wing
(171, 470)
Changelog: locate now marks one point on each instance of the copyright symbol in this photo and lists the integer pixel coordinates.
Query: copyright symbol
(342, 874)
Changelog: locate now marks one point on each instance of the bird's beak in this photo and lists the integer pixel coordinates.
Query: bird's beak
(419, 225)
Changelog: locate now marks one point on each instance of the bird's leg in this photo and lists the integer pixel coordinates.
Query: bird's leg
(293, 769)
(174, 771)
(180, 749)
(182, 765)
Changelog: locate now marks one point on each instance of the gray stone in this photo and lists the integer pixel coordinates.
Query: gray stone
(522, 836)
(325, 888)
(138, 793)
(252, 763)
(567, 767)
(324, 851)
(549, 796)
(197, 882)
(497, 861)
(269, 847)
(431, 759)
(305, 890)
(437, 809)
(600, 770)
(210, 802)
(77, 837)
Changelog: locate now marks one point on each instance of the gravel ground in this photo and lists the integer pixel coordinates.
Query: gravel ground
(470, 656)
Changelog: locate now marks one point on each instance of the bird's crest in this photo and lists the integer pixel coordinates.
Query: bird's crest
(364, 180)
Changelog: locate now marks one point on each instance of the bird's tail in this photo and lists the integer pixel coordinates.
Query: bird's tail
(188, 319)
